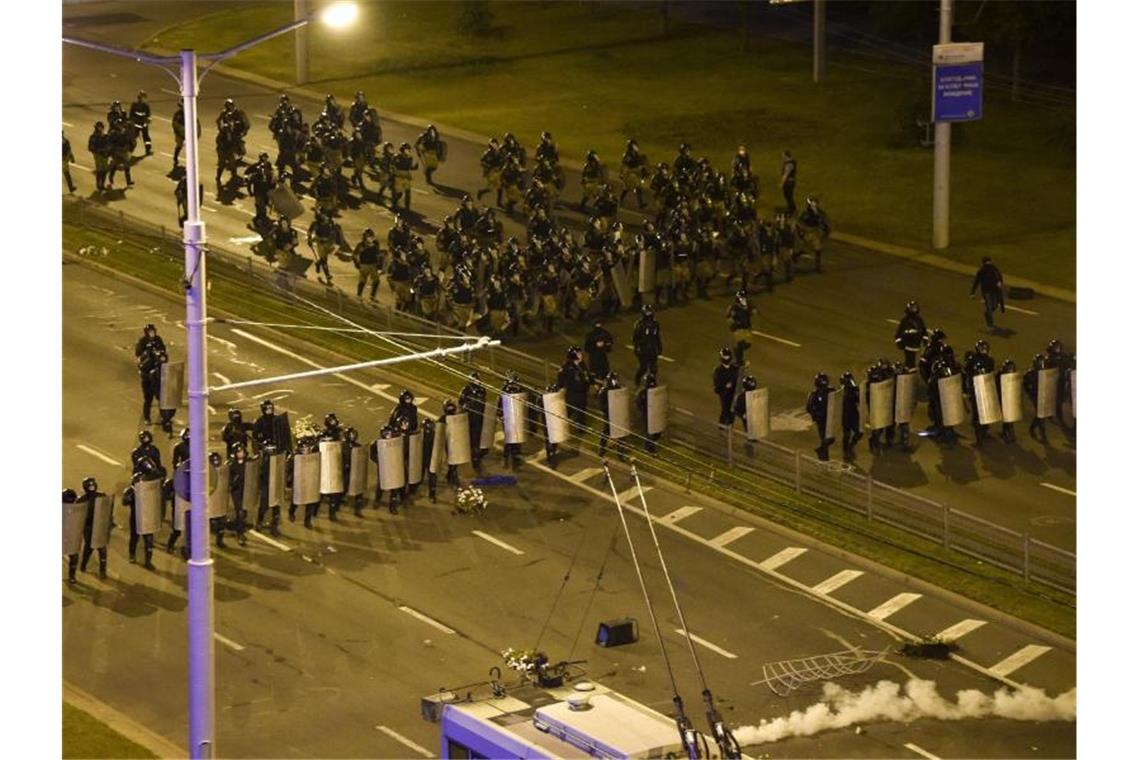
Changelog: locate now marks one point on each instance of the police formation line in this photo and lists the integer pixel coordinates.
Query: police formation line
(707, 225)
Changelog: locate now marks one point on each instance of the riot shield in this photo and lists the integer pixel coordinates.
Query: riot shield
(416, 457)
(656, 409)
(170, 383)
(218, 500)
(882, 411)
(554, 412)
(332, 467)
(285, 202)
(101, 522)
(74, 515)
(1011, 397)
(487, 432)
(905, 385)
(986, 402)
(514, 417)
(458, 438)
(275, 481)
(307, 478)
(181, 495)
(756, 420)
(618, 415)
(1047, 391)
(621, 284)
(251, 485)
(834, 410)
(646, 271)
(357, 471)
(951, 401)
(390, 463)
(148, 506)
(438, 458)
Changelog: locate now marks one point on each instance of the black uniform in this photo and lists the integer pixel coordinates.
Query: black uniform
(512, 452)
(908, 338)
(598, 344)
(852, 428)
(99, 145)
(1031, 385)
(976, 364)
(156, 472)
(576, 380)
(817, 409)
(259, 182)
(724, 379)
(88, 528)
(988, 278)
(140, 121)
(646, 346)
(473, 400)
(150, 351)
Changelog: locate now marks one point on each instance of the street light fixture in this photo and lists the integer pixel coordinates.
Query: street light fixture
(200, 575)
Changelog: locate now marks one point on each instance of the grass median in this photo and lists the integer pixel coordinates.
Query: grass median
(84, 736)
(241, 294)
(595, 74)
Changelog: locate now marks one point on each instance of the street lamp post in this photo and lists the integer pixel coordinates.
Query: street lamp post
(200, 575)
(941, 225)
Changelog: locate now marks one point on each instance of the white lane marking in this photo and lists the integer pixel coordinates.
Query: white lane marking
(270, 541)
(263, 116)
(168, 91)
(223, 341)
(425, 619)
(311, 363)
(1019, 659)
(84, 168)
(1023, 311)
(98, 454)
(893, 605)
(68, 124)
(631, 492)
(211, 209)
(684, 411)
(893, 321)
(225, 380)
(731, 535)
(791, 343)
(960, 629)
(662, 357)
(404, 740)
(583, 475)
(381, 386)
(501, 544)
(842, 578)
(708, 644)
(246, 239)
(830, 601)
(920, 751)
(1058, 488)
(164, 153)
(782, 557)
(679, 514)
(229, 642)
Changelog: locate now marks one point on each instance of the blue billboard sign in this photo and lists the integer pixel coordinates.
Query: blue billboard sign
(958, 92)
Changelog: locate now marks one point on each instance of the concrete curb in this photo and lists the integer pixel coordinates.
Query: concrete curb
(125, 725)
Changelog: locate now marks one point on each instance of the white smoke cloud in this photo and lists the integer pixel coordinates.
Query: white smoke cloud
(890, 701)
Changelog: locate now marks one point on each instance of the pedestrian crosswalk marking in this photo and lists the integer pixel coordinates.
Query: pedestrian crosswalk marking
(1019, 659)
(679, 514)
(842, 578)
(630, 495)
(893, 605)
(583, 475)
(731, 535)
(782, 557)
(960, 629)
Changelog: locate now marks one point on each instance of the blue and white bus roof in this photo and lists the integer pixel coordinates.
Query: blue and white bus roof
(584, 720)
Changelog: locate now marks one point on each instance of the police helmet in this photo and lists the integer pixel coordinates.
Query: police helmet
(572, 353)
(149, 327)
(406, 396)
(238, 452)
(69, 496)
(235, 415)
(262, 156)
(612, 379)
(145, 437)
(185, 434)
(937, 334)
(820, 380)
(912, 307)
(1008, 366)
(1054, 347)
(331, 420)
(283, 99)
(742, 296)
(267, 406)
(684, 148)
(847, 379)
(329, 98)
(89, 484)
(647, 310)
(228, 104)
(350, 434)
(142, 94)
(546, 137)
(749, 383)
(631, 144)
(368, 233)
(650, 380)
(812, 201)
(116, 105)
(359, 94)
(98, 126)
(1038, 361)
(982, 347)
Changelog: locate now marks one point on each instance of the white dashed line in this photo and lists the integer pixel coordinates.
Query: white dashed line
(920, 751)
(501, 544)
(629, 494)
(707, 644)
(404, 740)
(791, 343)
(679, 514)
(1019, 659)
(842, 578)
(1058, 488)
(229, 642)
(225, 380)
(425, 619)
(268, 540)
(893, 321)
(960, 629)
(782, 557)
(68, 124)
(98, 455)
(893, 605)
(731, 535)
(1023, 311)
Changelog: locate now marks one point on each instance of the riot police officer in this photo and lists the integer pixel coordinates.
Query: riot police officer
(1007, 435)
(512, 452)
(150, 352)
(68, 160)
(179, 454)
(265, 428)
(259, 181)
(932, 351)
(739, 316)
(90, 493)
(395, 495)
(910, 334)
(366, 257)
(1057, 357)
(405, 409)
(598, 344)
(815, 228)
(145, 450)
(611, 382)
(237, 460)
(642, 402)
(236, 432)
(877, 372)
(988, 278)
(575, 378)
(140, 120)
(147, 469)
(430, 150)
(324, 237)
(646, 343)
(852, 429)
(817, 410)
(724, 380)
(473, 400)
(978, 362)
(1031, 383)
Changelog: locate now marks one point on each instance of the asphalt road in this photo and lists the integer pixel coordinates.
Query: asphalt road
(839, 320)
(323, 637)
